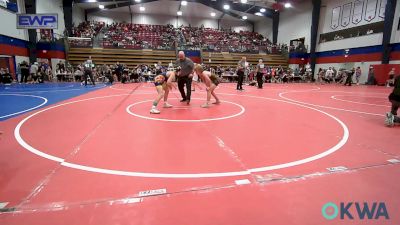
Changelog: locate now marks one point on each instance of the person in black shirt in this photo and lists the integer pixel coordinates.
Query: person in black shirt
(349, 78)
(24, 72)
(241, 67)
(118, 70)
(186, 66)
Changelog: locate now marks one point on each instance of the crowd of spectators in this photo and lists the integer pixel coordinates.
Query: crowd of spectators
(87, 29)
(142, 36)
(127, 35)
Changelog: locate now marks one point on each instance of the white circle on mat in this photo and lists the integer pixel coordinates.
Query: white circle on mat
(357, 102)
(62, 161)
(25, 110)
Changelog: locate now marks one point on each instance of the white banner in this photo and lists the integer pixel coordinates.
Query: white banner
(37, 21)
(358, 11)
(370, 11)
(346, 14)
(335, 17)
(382, 8)
(3, 3)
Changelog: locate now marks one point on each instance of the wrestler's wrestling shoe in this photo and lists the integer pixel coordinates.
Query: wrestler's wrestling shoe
(154, 111)
(166, 105)
(389, 120)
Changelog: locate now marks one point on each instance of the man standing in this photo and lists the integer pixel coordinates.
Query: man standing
(33, 70)
(349, 78)
(24, 72)
(88, 65)
(240, 72)
(118, 70)
(185, 76)
(358, 75)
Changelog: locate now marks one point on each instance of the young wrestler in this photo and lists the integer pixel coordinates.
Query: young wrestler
(211, 82)
(163, 83)
(391, 117)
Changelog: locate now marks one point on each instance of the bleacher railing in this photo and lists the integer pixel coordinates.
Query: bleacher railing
(78, 42)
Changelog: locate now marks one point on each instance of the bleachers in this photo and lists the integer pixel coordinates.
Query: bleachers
(129, 57)
(133, 58)
(231, 59)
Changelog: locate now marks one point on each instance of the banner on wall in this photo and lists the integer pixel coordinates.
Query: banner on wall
(358, 10)
(370, 11)
(37, 21)
(346, 14)
(335, 17)
(363, 30)
(382, 8)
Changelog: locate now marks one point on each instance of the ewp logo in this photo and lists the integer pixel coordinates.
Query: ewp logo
(37, 21)
(364, 211)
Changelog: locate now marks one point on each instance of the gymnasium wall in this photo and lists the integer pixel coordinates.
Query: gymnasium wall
(396, 26)
(13, 42)
(52, 6)
(352, 52)
(264, 27)
(9, 21)
(78, 15)
(111, 16)
(325, 26)
(295, 23)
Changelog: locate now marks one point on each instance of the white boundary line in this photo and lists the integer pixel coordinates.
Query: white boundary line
(331, 150)
(26, 110)
(321, 106)
(75, 89)
(362, 103)
(242, 110)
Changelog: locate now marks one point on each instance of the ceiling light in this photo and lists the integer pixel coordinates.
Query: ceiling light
(262, 10)
(183, 2)
(258, 14)
(179, 13)
(137, 0)
(92, 1)
(141, 8)
(244, 17)
(288, 5)
(243, 1)
(212, 14)
(226, 6)
(101, 6)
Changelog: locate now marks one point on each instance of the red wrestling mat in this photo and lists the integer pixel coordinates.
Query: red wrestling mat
(270, 156)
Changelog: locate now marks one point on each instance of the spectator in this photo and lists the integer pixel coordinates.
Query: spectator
(358, 75)
(33, 70)
(371, 76)
(24, 72)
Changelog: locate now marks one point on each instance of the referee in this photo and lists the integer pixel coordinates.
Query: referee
(184, 76)
(88, 65)
(242, 64)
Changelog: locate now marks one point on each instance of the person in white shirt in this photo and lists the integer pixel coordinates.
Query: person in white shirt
(259, 72)
(329, 75)
(33, 70)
